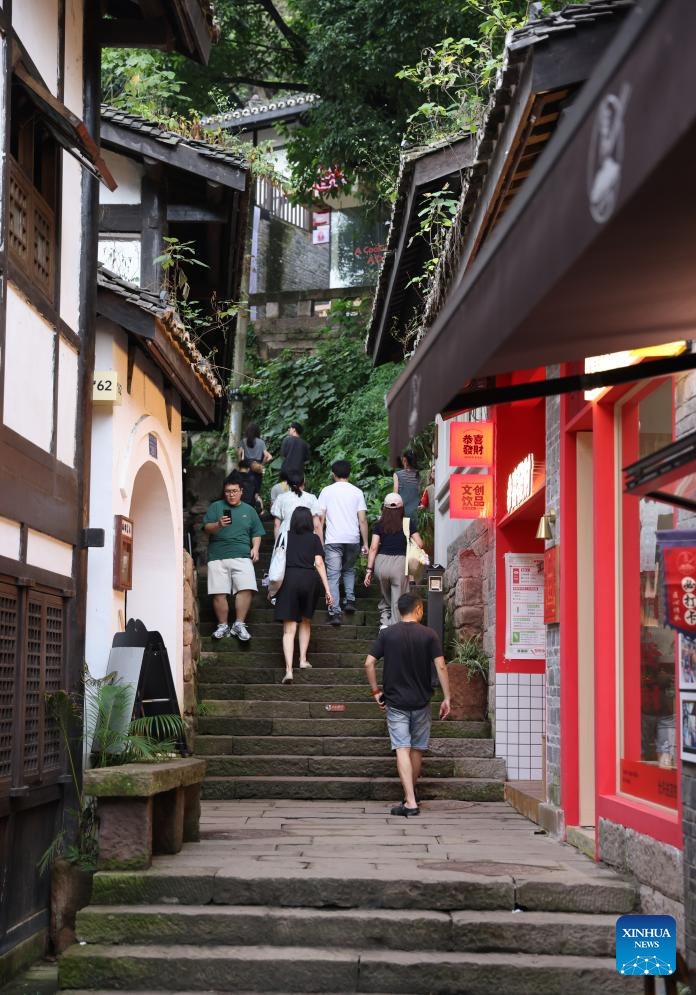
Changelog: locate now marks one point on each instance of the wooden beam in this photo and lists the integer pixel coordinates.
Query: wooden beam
(129, 33)
(120, 218)
(194, 214)
(178, 370)
(126, 314)
(153, 230)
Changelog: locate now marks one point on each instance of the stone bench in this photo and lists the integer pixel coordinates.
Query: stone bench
(144, 809)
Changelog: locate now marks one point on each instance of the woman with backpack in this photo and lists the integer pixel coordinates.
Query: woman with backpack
(253, 448)
(386, 558)
(299, 593)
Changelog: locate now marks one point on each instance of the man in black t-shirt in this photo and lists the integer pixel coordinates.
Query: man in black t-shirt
(409, 650)
(295, 452)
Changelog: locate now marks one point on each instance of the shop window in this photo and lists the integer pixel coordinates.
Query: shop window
(33, 189)
(649, 755)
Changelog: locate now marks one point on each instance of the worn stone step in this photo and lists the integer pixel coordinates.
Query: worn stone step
(213, 675)
(316, 969)
(270, 629)
(269, 708)
(349, 788)
(306, 691)
(332, 746)
(249, 656)
(218, 664)
(571, 934)
(337, 725)
(321, 642)
(347, 766)
(365, 616)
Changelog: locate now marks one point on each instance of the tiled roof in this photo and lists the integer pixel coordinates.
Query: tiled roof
(533, 33)
(150, 129)
(157, 306)
(260, 107)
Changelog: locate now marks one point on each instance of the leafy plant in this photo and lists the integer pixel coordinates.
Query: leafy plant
(470, 654)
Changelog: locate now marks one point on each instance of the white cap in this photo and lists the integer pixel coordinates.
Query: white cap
(393, 501)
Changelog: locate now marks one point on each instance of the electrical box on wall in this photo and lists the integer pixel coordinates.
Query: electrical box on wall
(123, 553)
(106, 388)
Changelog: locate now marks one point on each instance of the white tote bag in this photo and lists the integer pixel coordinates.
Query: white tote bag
(276, 570)
(417, 560)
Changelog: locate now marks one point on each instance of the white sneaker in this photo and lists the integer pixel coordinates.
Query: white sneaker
(221, 631)
(240, 630)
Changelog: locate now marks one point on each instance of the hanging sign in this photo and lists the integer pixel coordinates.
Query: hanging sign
(471, 496)
(679, 579)
(321, 227)
(520, 485)
(552, 583)
(471, 443)
(525, 633)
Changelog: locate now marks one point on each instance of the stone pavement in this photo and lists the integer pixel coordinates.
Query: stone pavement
(312, 896)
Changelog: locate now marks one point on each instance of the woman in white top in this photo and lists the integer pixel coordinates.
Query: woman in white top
(295, 497)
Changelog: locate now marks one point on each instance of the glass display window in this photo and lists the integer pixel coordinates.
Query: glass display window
(647, 667)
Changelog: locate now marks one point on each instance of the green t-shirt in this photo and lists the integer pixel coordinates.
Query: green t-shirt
(234, 541)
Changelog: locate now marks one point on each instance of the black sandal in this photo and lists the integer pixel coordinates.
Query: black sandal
(405, 810)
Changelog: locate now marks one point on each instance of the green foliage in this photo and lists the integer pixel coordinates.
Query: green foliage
(337, 397)
(470, 654)
(144, 82)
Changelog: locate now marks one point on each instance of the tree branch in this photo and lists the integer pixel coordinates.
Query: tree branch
(298, 43)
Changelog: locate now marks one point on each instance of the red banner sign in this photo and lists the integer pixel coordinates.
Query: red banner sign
(471, 496)
(552, 579)
(680, 588)
(471, 443)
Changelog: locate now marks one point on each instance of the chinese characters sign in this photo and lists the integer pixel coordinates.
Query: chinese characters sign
(552, 583)
(471, 496)
(679, 564)
(471, 443)
(525, 633)
(520, 483)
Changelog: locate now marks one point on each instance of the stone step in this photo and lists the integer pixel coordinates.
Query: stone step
(216, 664)
(337, 725)
(269, 629)
(336, 707)
(213, 675)
(369, 617)
(305, 691)
(355, 884)
(331, 746)
(312, 969)
(322, 641)
(349, 788)
(570, 934)
(347, 766)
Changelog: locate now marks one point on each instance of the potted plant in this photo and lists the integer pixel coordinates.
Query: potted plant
(115, 738)
(468, 674)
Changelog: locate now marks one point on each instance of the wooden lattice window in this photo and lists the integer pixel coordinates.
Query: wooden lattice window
(44, 675)
(8, 663)
(33, 189)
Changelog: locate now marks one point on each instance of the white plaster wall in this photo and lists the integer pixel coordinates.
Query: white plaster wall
(9, 538)
(74, 17)
(48, 553)
(36, 23)
(71, 243)
(29, 343)
(121, 256)
(67, 403)
(120, 451)
(128, 175)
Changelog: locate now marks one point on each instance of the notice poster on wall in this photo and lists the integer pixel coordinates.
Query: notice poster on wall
(525, 632)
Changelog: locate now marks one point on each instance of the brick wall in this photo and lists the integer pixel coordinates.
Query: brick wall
(553, 634)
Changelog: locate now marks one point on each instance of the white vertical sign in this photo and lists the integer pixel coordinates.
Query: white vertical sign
(525, 632)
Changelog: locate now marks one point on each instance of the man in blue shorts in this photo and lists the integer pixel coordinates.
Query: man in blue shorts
(409, 650)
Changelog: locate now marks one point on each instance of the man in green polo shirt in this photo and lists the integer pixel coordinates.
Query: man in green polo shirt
(234, 538)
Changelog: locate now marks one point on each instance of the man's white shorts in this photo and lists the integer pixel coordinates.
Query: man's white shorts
(231, 576)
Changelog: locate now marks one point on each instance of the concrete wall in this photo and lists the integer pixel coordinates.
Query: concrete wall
(128, 480)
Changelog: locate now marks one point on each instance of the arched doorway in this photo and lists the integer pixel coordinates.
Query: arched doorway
(156, 580)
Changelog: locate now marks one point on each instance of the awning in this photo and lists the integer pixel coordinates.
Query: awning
(597, 253)
(67, 129)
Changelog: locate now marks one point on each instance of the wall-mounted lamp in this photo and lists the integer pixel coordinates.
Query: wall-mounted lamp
(544, 530)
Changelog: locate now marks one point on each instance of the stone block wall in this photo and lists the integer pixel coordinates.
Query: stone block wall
(192, 645)
(553, 633)
(287, 260)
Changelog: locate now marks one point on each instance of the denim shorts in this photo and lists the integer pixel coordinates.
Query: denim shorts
(409, 727)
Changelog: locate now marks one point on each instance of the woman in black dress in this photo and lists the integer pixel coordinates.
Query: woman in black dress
(298, 596)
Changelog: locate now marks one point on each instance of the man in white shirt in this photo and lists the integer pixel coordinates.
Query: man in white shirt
(342, 505)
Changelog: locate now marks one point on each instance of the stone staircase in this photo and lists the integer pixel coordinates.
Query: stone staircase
(334, 894)
(322, 737)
